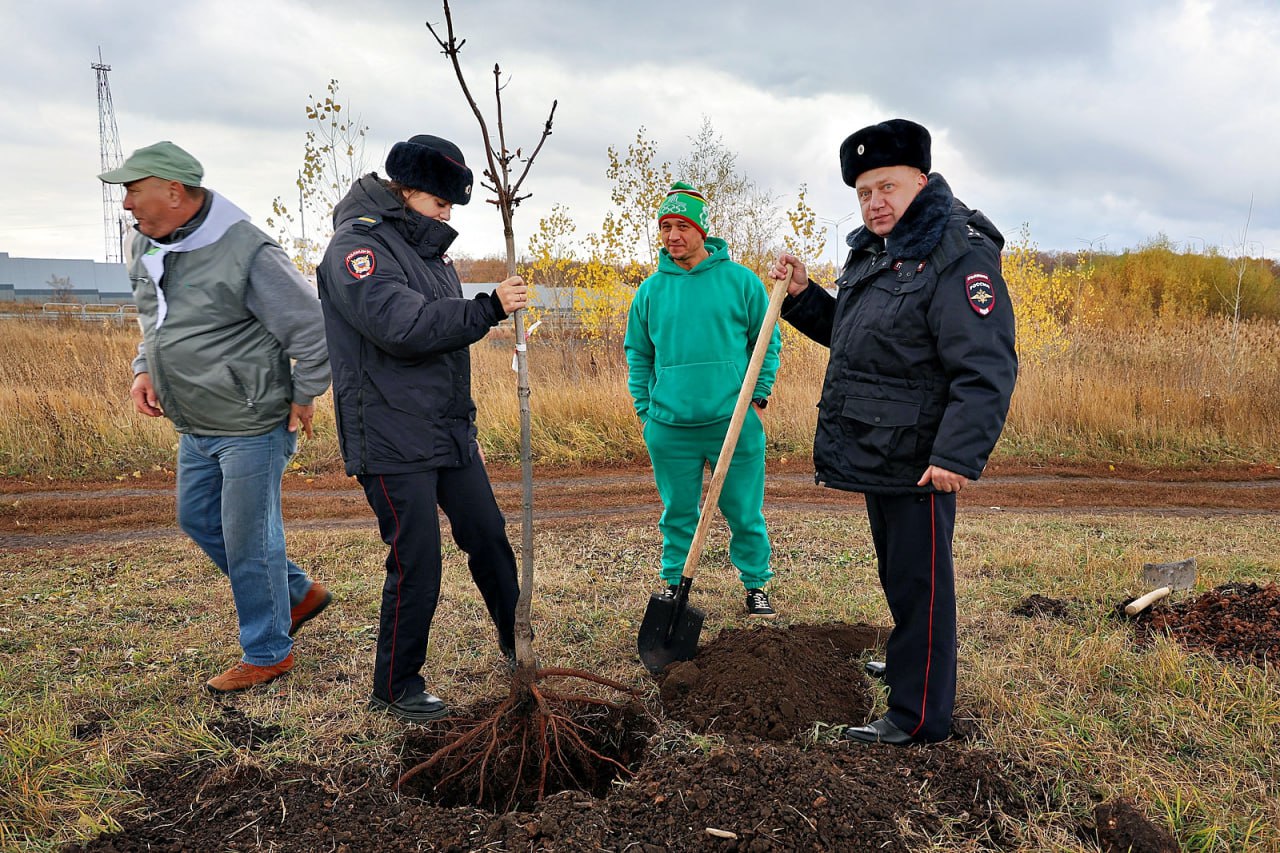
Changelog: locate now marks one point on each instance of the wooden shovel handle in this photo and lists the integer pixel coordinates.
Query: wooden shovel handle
(1133, 608)
(735, 423)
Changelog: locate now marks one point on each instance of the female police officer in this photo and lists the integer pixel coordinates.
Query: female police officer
(399, 331)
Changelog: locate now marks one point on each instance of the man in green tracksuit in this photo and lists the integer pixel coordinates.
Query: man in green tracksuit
(690, 333)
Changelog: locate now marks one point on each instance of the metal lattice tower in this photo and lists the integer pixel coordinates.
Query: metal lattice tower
(113, 215)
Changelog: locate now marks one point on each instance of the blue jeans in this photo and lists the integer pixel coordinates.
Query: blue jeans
(229, 504)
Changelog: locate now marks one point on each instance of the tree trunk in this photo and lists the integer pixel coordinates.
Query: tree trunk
(526, 662)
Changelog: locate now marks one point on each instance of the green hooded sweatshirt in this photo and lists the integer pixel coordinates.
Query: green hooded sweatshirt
(690, 334)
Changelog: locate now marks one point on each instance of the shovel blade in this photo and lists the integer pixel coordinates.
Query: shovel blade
(669, 632)
(1179, 575)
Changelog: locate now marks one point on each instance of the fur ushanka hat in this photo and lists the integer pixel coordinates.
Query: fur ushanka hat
(896, 142)
(433, 165)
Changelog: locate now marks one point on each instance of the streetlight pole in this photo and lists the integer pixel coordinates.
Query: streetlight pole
(835, 226)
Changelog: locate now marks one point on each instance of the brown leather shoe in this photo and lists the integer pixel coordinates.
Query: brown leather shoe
(243, 675)
(311, 606)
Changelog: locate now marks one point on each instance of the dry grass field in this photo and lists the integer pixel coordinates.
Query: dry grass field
(1176, 396)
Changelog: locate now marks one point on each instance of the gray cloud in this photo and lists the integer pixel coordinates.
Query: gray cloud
(1082, 119)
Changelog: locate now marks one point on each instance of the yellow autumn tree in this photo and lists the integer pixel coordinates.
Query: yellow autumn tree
(805, 242)
(332, 159)
(615, 259)
(624, 250)
(807, 238)
(603, 291)
(551, 266)
(640, 182)
(739, 211)
(1045, 303)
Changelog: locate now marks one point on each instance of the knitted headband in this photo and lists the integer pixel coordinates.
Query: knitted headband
(684, 202)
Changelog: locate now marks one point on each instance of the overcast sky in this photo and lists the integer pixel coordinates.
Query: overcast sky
(1096, 122)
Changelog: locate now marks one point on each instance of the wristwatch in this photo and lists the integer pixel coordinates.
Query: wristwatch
(762, 402)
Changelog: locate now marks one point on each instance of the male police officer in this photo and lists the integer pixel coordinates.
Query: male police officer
(917, 388)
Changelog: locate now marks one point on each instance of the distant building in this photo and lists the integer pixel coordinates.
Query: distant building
(44, 280)
(553, 304)
(62, 280)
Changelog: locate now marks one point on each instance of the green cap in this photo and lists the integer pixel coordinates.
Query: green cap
(684, 202)
(163, 160)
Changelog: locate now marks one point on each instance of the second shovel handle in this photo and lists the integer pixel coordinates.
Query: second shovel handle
(1133, 608)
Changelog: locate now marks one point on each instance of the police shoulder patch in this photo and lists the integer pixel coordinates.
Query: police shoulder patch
(981, 295)
(361, 263)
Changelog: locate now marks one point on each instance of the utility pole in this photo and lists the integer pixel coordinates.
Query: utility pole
(114, 223)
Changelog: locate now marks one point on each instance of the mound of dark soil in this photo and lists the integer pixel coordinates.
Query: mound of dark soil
(744, 797)
(762, 796)
(240, 730)
(1039, 605)
(90, 728)
(1233, 622)
(198, 807)
(1123, 828)
(773, 683)
(760, 792)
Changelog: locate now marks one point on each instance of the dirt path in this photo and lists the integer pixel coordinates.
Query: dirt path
(63, 514)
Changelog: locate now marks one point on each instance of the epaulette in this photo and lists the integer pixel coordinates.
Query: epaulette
(364, 223)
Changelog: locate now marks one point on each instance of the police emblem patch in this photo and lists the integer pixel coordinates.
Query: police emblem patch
(982, 296)
(361, 263)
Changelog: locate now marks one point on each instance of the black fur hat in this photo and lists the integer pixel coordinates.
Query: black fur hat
(433, 165)
(896, 142)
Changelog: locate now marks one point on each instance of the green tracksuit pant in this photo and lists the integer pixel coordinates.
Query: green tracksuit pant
(680, 456)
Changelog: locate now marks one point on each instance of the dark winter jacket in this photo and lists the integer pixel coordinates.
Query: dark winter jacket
(922, 361)
(398, 331)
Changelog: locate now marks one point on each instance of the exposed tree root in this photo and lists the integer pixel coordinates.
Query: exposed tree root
(536, 741)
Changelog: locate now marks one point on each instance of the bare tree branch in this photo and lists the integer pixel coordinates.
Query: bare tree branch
(507, 197)
(451, 47)
(546, 131)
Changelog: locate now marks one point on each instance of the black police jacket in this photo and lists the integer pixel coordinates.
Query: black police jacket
(398, 331)
(922, 362)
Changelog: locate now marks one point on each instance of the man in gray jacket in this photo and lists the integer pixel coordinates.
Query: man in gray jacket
(223, 313)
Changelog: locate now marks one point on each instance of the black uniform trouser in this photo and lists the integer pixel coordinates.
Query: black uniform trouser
(407, 519)
(912, 535)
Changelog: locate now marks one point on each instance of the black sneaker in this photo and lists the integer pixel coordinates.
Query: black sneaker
(670, 592)
(508, 656)
(419, 708)
(758, 606)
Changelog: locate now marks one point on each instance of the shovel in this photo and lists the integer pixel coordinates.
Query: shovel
(1165, 577)
(670, 628)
